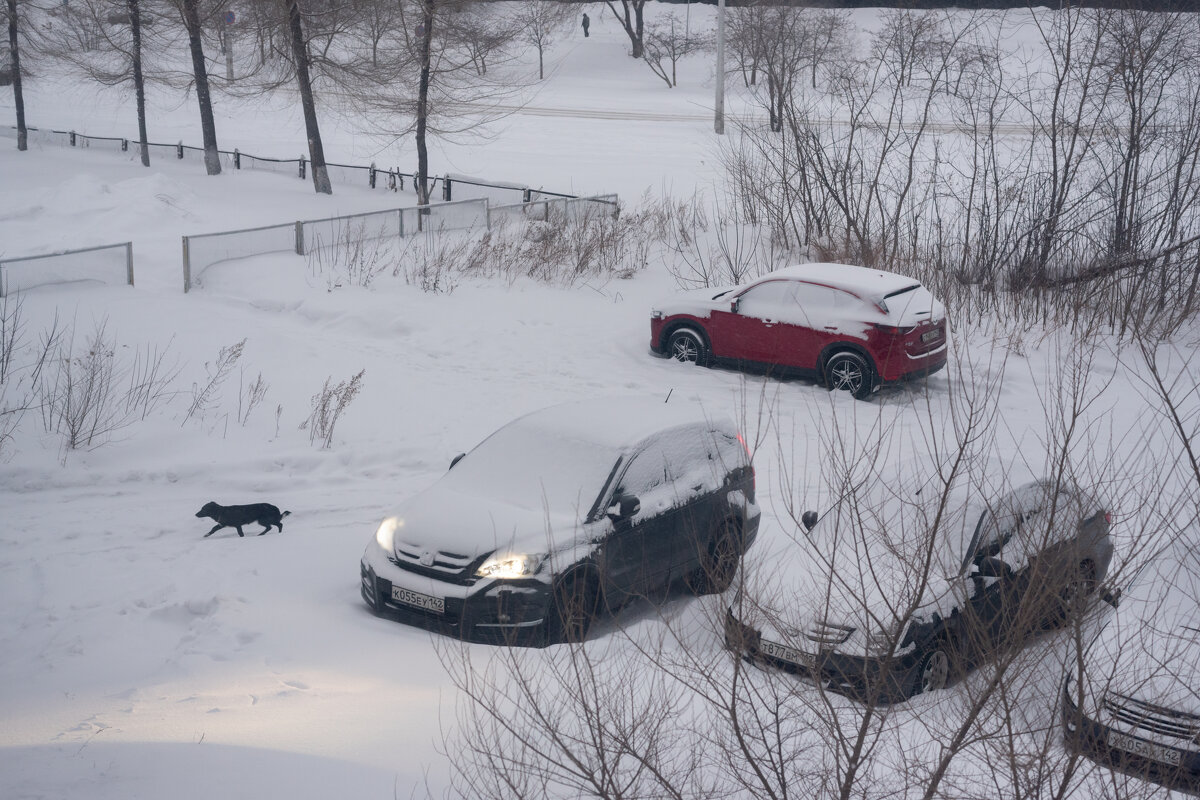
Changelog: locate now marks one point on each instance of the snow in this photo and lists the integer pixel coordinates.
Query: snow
(138, 659)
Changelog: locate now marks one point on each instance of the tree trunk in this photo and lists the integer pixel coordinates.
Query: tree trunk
(426, 45)
(633, 24)
(316, 153)
(139, 83)
(208, 128)
(18, 97)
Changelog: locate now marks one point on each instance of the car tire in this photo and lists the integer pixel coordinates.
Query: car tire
(848, 371)
(720, 560)
(576, 604)
(933, 670)
(687, 346)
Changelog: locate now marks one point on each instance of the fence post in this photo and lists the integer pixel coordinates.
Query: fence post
(302, 165)
(124, 145)
(446, 189)
(129, 261)
(371, 175)
(72, 138)
(179, 151)
(525, 196)
(299, 238)
(400, 211)
(237, 158)
(187, 267)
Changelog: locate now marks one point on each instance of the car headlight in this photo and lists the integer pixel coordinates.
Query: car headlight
(509, 566)
(386, 534)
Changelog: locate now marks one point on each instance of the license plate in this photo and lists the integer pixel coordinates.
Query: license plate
(929, 336)
(1154, 752)
(781, 652)
(422, 601)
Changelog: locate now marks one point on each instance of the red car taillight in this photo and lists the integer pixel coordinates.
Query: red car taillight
(894, 330)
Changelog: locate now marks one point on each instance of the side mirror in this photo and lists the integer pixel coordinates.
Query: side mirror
(809, 520)
(456, 459)
(625, 507)
(733, 305)
(992, 567)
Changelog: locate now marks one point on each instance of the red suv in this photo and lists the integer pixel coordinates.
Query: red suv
(854, 327)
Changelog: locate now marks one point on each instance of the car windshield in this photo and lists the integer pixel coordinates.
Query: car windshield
(536, 469)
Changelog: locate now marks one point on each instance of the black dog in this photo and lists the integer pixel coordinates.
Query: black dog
(264, 514)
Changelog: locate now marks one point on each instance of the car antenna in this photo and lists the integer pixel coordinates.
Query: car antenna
(669, 394)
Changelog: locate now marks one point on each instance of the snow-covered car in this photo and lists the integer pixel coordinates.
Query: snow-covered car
(888, 596)
(564, 513)
(852, 327)
(1133, 700)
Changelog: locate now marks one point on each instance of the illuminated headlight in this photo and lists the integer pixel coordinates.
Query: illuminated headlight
(509, 566)
(882, 641)
(386, 534)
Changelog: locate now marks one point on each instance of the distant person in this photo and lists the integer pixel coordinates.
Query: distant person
(586, 23)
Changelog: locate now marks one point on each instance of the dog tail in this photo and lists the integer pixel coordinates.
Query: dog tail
(284, 514)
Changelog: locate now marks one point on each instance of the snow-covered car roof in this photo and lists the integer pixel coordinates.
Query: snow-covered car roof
(869, 283)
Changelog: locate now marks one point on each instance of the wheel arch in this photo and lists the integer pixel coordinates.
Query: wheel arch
(833, 348)
(684, 322)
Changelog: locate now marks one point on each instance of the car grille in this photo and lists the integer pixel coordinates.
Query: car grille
(446, 566)
(827, 634)
(1148, 717)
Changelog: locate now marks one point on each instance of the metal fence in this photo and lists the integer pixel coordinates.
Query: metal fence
(563, 210)
(448, 188)
(203, 250)
(308, 236)
(111, 263)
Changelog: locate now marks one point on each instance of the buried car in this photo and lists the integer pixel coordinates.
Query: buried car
(564, 513)
(889, 596)
(1131, 699)
(853, 327)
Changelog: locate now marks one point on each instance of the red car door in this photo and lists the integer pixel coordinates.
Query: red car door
(767, 327)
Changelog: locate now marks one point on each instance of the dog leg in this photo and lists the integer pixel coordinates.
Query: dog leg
(264, 530)
(239, 527)
(214, 530)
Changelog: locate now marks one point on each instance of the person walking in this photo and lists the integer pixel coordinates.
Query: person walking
(586, 23)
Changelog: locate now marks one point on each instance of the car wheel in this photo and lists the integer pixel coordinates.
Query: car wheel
(933, 672)
(719, 562)
(847, 371)
(1073, 596)
(576, 604)
(687, 346)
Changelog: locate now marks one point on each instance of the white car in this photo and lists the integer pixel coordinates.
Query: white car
(1133, 700)
(892, 591)
(564, 513)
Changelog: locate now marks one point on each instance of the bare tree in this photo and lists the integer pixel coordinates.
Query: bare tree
(631, 17)
(14, 55)
(189, 11)
(300, 61)
(539, 25)
(108, 47)
(665, 45)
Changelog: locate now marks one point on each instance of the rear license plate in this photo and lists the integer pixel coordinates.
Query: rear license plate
(1154, 752)
(929, 336)
(781, 652)
(421, 601)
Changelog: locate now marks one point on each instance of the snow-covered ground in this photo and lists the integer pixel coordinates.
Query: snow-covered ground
(138, 659)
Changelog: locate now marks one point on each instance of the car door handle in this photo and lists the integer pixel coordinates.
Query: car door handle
(831, 327)
(768, 322)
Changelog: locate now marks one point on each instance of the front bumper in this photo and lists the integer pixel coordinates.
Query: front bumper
(863, 678)
(500, 612)
(1091, 738)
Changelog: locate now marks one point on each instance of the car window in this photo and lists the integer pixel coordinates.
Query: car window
(673, 467)
(823, 298)
(771, 300)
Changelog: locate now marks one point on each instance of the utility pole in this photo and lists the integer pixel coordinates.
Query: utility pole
(719, 104)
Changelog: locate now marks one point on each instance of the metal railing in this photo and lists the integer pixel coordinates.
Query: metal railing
(110, 263)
